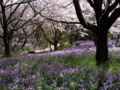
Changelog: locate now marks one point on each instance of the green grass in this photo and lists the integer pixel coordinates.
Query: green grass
(87, 61)
(114, 63)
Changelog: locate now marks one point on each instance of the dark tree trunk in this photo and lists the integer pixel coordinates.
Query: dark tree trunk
(7, 48)
(71, 41)
(5, 30)
(77, 34)
(55, 46)
(101, 49)
(95, 39)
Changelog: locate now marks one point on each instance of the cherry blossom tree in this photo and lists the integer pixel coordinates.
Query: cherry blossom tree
(97, 16)
(13, 18)
(53, 33)
(106, 13)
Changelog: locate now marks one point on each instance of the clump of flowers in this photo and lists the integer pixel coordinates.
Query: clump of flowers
(43, 72)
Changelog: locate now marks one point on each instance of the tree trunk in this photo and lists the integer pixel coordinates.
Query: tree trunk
(101, 49)
(5, 30)
(71, 41)
(55, 46)
(94, 39)
(77, 35)
(7, 48)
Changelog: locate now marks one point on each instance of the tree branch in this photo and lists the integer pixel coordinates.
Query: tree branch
(61, 21)
(113, 17)
(33, 31)
(81, 18)
(59, 35)
(25, 35)
(46, 36)
(13, 12)
(15, 29)
(50, 18)
(23, 2)
(19, 17)
(6, 2)
(63, 37)
(110, 8)
(67, 5)
(91, 4)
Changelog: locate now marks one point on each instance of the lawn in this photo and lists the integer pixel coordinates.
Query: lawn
(70, 69)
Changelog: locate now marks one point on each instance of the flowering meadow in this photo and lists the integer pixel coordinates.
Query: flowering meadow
(70, 69)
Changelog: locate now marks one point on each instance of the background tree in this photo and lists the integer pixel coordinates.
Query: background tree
(73, 31)
(53, 33)
(12, 19)
(21, 36)
(106, 13)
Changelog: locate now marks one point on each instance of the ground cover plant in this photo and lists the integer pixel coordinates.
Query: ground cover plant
(70, 69)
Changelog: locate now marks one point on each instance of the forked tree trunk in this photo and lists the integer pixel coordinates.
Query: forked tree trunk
(101, 49)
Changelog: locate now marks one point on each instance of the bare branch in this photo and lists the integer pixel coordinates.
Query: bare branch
(23, 2)
(79, 13)
(64, 37)
(33, 31)
(68, 5)
(26, 21)
(113, 18)
(67, 22)
(13, 12)
(15, 29)
(36, 13)
(59, 36)
(45, 36)
(91, 4)
(81, 18)
(61, 21)
(6, 2)
(25, 35)
(19, 17)
(110, 8)
(22, 12)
